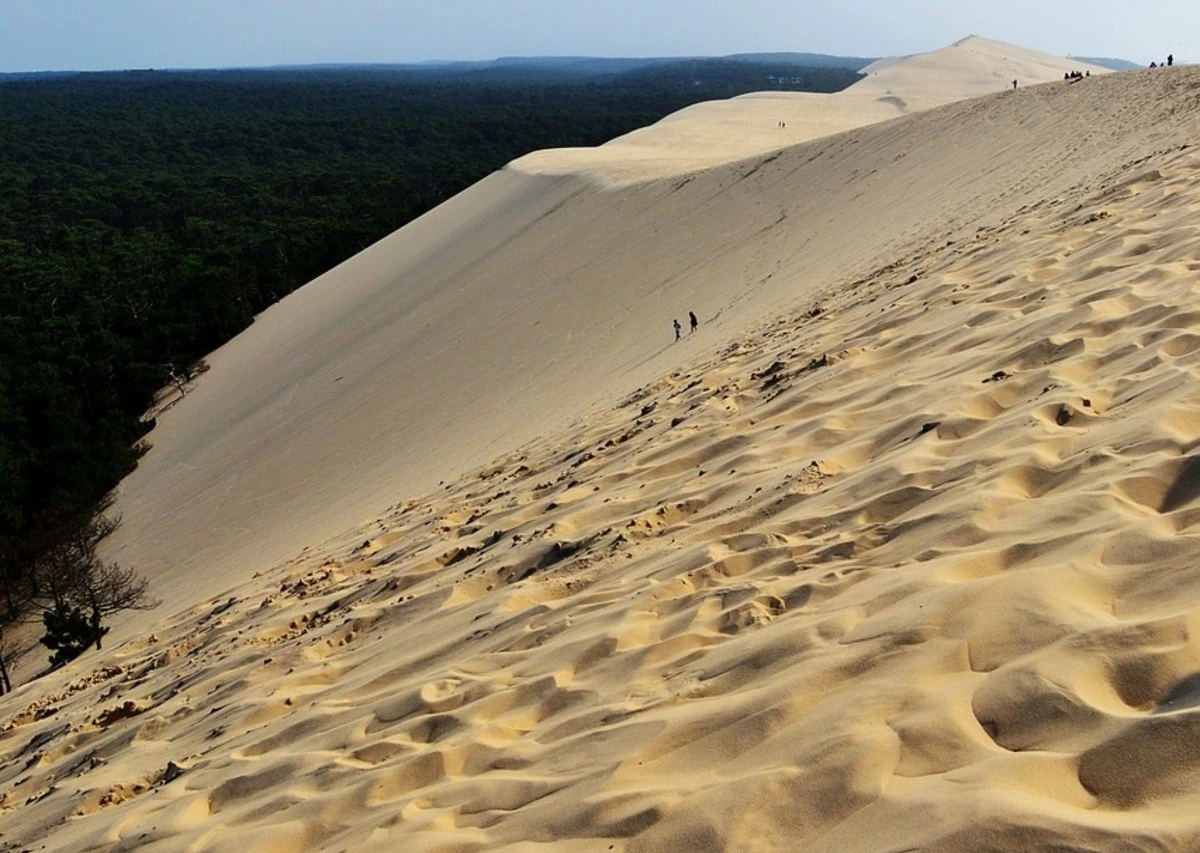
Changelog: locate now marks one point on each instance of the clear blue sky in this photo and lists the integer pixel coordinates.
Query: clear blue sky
(107, 34)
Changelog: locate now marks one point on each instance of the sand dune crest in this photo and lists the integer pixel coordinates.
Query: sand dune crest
(715, 132)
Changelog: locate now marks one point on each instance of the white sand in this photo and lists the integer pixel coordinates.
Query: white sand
(913, 571)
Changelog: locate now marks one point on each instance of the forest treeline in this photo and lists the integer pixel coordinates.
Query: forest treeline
(146, 217)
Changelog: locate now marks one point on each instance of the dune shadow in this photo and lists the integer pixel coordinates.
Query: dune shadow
(1185, 694)
(1185, 488)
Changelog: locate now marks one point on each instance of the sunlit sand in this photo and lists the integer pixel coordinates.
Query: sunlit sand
(461, 551)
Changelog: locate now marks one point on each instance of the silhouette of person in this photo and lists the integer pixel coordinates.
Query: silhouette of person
(1014, 84)
(678, 328)
(1170, 59)
(692, 318)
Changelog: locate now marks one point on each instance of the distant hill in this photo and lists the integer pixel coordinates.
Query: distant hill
(736, 76)
(809, 60)
(736, 73)
(578, 65)
(33, 75)
(595, 65)
(1109, 62)
(573, 66)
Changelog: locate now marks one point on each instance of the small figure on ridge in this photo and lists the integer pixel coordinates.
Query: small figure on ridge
(695, 322)
(678, 328)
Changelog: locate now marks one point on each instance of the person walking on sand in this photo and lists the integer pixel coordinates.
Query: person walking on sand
(678, 328)
(694, 321)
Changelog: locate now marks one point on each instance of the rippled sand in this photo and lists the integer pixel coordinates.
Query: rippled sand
(897, 551)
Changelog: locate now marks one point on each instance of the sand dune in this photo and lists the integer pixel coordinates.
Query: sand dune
(895, 552)
(715, 132)
(523, 302)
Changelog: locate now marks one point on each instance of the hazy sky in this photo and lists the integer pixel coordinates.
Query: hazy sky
(100, 34)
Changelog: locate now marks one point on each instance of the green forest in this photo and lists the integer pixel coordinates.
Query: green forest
(146, 217)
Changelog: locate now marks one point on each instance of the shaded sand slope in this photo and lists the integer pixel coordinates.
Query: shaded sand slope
(916, 570)
(714, 132)
(528, 299)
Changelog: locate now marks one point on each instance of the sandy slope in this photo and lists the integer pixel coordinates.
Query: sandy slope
(715, 132)
(908, 566)
(522, 302)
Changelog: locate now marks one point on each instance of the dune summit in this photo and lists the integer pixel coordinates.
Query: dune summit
(897, 551)
(715, 132)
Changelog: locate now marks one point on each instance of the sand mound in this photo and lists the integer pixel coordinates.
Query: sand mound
(908, 565)
(715, 132)
(968, 68)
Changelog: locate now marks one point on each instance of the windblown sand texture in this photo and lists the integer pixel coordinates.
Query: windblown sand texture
(530, 298)
(908, 562)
